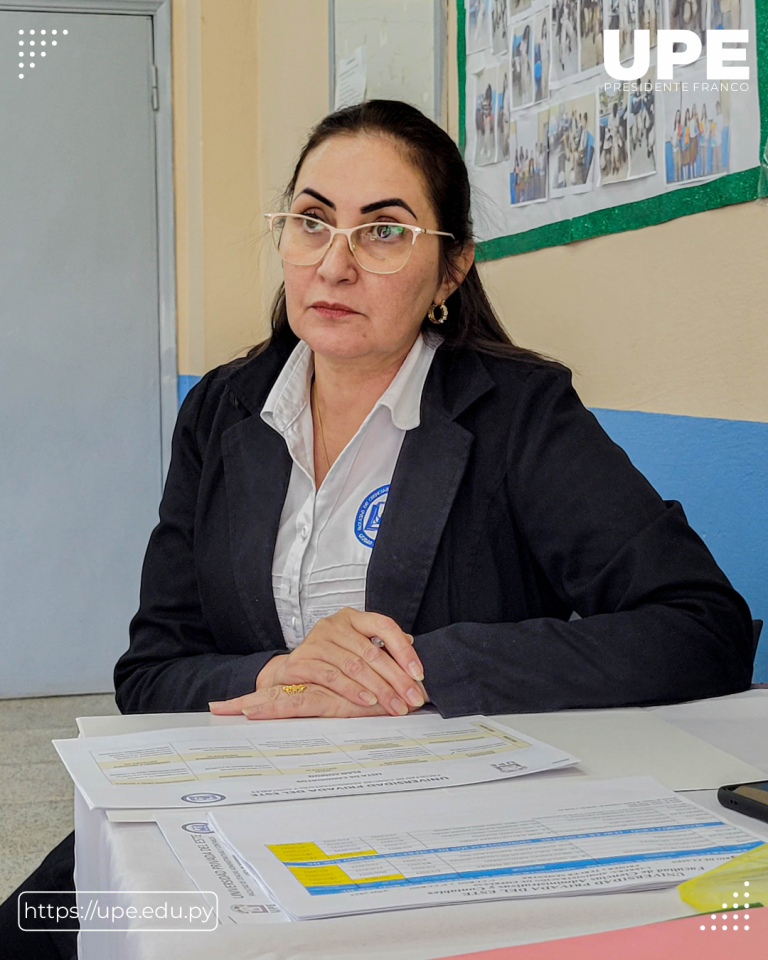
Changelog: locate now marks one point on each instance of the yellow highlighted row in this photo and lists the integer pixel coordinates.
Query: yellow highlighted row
(331, 875)
(292, 852)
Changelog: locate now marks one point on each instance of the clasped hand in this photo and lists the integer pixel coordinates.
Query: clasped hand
(346, 674)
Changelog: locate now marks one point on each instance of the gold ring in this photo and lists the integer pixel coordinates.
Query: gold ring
(294, 688)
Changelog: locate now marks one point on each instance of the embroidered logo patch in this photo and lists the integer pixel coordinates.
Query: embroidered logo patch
(369, 514)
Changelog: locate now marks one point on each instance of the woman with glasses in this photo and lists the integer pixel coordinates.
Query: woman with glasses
(388, 466)
(387, 502)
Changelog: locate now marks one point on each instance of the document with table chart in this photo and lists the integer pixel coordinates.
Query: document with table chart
(298, 759)
(485, 842)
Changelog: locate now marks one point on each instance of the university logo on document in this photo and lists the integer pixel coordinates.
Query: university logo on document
(368, 515)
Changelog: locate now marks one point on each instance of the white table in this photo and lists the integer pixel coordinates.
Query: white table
(135, 856)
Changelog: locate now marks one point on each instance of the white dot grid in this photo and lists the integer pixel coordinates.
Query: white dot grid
(32, 44)
(713, 916)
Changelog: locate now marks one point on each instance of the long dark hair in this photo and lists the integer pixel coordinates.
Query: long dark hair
(471, 321)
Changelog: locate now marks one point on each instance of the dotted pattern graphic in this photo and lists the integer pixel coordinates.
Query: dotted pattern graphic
(31, 48)
(733, 916)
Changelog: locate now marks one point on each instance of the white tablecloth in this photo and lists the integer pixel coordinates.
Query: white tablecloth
(134, 856)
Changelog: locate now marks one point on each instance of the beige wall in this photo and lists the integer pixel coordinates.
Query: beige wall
(667, 319)
(250, 77)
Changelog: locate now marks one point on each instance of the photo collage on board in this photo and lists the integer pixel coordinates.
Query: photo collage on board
(540, 107)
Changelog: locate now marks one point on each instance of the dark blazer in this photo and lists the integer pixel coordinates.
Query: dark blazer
(509, 509)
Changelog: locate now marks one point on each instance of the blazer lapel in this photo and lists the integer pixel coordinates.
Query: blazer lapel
(257, 469)
(430, 468)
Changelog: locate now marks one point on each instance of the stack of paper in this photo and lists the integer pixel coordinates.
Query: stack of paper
(213, 868)
(377, 836)
(489, 842)
(298, 759)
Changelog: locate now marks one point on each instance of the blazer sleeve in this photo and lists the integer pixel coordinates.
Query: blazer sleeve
(661, 622)
(173, 662)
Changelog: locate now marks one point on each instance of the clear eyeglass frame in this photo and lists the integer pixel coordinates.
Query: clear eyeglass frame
(416, 232)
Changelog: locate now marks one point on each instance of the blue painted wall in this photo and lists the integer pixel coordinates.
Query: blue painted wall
(718, 470)
(185, 384)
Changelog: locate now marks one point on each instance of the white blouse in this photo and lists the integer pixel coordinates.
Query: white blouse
(326, 536)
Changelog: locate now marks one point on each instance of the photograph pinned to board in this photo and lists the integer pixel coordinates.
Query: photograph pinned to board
(724, 15)
(485, 116)
(351, 79)
(650, 18)
(518, 6)
(503, 97)
(697, 134)
(565, 41)
(627, 27)
(541, 55)
(528, 175)
(499, 27)
(613, 20)
(478, 25)
(522, 64)
(591, 48)
(688, 15)
(572, 146)
(512, 142)
(613, 165)
(642, 127)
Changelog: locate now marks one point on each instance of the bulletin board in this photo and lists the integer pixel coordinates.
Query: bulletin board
(401, 50)
(560, 161)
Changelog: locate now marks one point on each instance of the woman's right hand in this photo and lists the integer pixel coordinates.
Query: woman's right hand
(338, 654)
(275, 703)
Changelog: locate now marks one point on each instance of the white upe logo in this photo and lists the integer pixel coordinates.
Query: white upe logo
(667, 57)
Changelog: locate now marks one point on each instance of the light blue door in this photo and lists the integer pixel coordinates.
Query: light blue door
(80, 433)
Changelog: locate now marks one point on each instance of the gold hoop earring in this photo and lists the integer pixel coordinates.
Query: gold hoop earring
(443, 312)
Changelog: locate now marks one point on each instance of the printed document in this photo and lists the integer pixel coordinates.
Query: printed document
(212, 867)
(486, 842)
(298, 759)
(350, 79)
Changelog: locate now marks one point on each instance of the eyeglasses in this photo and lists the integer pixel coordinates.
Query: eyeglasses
(378, 247)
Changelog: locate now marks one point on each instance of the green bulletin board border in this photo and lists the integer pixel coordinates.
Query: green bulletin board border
(731, 188)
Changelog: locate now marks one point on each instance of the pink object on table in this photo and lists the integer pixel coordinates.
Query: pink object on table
(670, 940)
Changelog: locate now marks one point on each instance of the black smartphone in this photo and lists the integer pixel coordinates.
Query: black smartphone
(748, 798)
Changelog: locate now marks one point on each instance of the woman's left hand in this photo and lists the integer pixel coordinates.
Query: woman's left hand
(274, 703)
